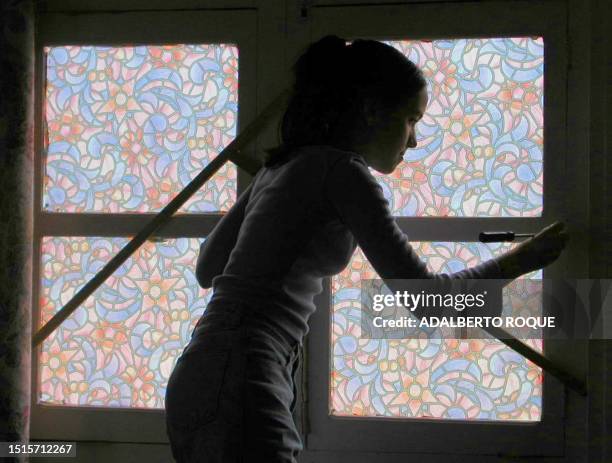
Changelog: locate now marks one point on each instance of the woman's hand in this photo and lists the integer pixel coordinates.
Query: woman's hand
(535, 253)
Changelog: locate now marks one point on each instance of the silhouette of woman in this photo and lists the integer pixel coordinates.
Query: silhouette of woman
(231, 394)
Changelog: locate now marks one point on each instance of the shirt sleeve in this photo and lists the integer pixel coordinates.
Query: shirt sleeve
(359, 201)
(216, 249)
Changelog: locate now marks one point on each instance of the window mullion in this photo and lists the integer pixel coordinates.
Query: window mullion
(464, 228)
(185, 225)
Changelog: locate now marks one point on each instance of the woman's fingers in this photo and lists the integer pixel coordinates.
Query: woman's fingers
(553, 235)
(554, 240)
(543, 249)
(553, 229)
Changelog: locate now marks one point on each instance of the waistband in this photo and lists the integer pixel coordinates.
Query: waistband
(246, 320)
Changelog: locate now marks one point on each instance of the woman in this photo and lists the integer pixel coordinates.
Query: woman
(231, 395)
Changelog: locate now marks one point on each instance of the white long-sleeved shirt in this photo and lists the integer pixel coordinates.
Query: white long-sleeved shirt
(301, 221)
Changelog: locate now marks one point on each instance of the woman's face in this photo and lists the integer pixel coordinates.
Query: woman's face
(392, 134)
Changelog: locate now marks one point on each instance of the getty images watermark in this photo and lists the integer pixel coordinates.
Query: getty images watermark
(522, 308)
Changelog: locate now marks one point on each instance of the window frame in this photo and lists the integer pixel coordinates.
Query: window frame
(238, 27)
(119, 425)
(384, 22)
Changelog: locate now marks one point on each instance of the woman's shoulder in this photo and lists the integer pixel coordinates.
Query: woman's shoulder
(315, 165)
(281, 154)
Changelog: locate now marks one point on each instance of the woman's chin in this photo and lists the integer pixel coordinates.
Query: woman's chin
(385, 168)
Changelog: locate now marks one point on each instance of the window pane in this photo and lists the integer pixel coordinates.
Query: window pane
(471, 379)
(130, 127)
(119, 347)
(480, 142)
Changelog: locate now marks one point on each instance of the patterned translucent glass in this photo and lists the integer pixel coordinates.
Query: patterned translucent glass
(119, 347)
(480, 142)
(463, 379)
(130, 127)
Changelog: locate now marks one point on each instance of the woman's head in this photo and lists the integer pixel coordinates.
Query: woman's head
(346, 95)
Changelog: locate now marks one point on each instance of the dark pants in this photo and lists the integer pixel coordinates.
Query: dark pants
(232, 392)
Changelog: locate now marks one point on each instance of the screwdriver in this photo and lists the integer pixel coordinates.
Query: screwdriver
(494, 237)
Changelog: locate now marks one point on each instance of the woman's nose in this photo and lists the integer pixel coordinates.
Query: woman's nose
(412, 143)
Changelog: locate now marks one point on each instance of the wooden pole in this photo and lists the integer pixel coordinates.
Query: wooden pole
(539, 359)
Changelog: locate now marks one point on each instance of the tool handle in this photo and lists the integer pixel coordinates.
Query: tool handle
(494, 237)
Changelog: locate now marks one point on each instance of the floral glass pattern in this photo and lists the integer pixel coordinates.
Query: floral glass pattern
(119, 347)
(463, 379)
(480, 141)
(127, 128)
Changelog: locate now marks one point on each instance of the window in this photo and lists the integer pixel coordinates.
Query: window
(80, 228)
(129, 126)
(479, 155)
(128, 119)
(429, 377)
(482, 164)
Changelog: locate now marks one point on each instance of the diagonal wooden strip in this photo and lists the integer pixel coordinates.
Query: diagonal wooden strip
(539, 359)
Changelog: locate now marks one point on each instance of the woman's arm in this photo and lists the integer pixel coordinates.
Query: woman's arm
(215, 250)
(361, 205)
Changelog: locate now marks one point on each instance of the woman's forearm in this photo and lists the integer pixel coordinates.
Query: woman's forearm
(510, 266)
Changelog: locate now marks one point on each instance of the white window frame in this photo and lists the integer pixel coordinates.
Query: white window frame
(125, 28)
(419, 436)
